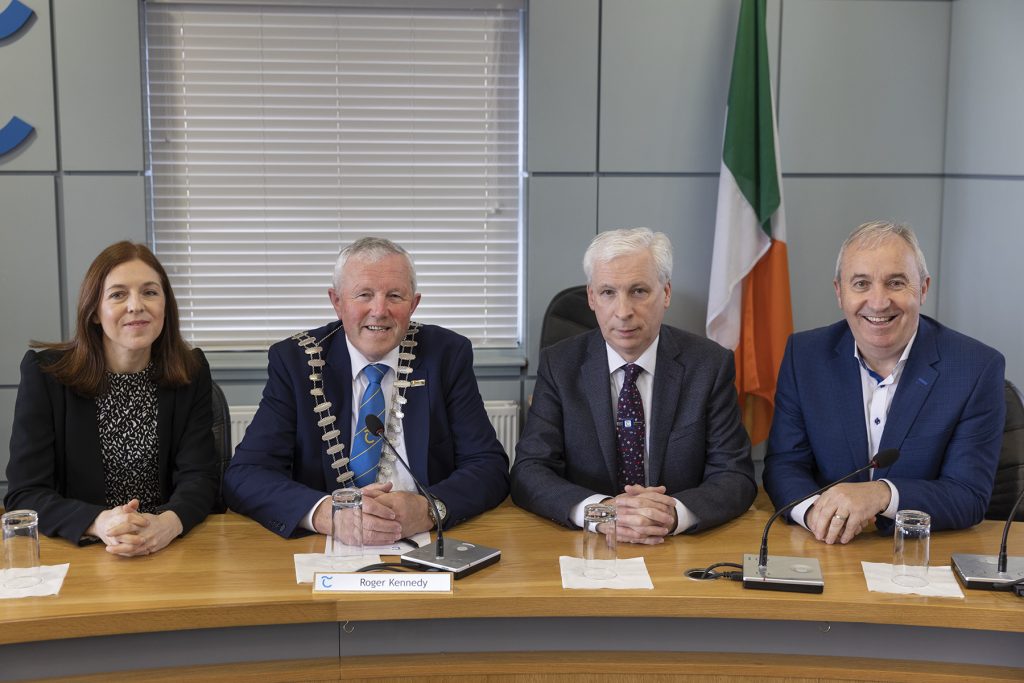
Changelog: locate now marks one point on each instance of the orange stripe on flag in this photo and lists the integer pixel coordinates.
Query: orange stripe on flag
(766, 323)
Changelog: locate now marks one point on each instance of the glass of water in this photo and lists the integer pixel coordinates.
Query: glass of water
(599, 542)
(911, 541)
(21, 549)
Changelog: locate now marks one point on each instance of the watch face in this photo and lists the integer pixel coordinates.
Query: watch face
(441, 509)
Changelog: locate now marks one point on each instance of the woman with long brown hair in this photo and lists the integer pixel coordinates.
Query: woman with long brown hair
(112, 435)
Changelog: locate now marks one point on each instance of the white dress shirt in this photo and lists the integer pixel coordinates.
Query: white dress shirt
(877, 393)
(645, 385)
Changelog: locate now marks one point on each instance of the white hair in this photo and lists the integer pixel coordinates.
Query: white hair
(614, 243)
(372, 250)
(870, 235)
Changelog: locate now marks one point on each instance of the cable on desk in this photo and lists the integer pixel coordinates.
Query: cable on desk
(709, 573)
(394, 566)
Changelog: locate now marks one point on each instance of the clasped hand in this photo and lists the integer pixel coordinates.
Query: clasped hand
(845, 510)
(644, 514)
(387, 516)
(128, 533)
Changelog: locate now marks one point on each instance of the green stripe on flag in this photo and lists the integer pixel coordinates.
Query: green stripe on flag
(749, 149)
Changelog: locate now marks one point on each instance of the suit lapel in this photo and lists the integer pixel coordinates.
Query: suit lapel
(164, 434)
(594, 379)
(915, 385)
(337, 390)
(844, 376)
(85, 470)
(668, 386)
(417, 415)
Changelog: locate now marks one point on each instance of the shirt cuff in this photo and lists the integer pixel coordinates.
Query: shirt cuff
(576, 513)
(684, 518)
(798, 513)
(307, 522)
(894, 501)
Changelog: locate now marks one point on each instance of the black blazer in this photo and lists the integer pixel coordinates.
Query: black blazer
(699, 450)
(56, 466)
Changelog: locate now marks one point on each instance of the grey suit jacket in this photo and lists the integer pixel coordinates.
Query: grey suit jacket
(698, 450)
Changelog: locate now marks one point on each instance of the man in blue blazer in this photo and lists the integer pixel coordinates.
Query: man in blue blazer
(682, 463)
(308, 436)
(885, 377)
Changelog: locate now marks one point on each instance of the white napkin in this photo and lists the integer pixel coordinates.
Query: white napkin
(941, 583)
(53, 579)
(631, 573)
(398, 548)
(308, 564)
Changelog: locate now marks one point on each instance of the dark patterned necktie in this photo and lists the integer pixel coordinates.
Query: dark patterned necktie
(366, 447)
(630, 434)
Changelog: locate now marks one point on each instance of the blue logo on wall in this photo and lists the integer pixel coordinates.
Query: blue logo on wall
(12, 19)
(14, 16)
(13, 134)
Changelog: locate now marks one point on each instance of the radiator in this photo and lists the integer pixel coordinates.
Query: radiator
(504, 415)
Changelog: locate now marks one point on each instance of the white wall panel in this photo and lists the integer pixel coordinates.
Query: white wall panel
(562, 220)
(863, 86)
(99, 84)
(981, 280)
(26, 91)
(561, 112)
(29, 270)
(821, 212)
(986, 88)
(682, 208)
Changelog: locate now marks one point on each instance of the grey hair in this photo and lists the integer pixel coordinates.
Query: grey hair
(614, 243)
(372, 250)
(870, 235)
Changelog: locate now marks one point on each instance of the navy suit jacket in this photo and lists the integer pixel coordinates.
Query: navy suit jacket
(280, 470)
(698, 448)
(56, 465)
(946, 419)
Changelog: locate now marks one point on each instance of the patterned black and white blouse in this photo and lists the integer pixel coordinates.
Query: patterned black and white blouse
(128, 439)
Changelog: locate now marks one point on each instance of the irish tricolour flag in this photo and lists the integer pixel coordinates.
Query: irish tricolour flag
(748, 304)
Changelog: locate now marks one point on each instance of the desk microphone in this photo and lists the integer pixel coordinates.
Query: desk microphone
(798, 574)
(462, 559)
(987, 572)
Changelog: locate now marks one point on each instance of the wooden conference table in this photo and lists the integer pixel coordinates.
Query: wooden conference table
(223, 602)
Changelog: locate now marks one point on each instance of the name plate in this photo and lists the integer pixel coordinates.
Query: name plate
(324, 582)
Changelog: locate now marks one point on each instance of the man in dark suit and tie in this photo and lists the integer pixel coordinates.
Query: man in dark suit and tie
(637, 412)
(309, 436)
(885, 377)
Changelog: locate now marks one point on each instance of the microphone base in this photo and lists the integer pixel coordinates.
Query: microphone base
(979, 571)
(791, 574)
(460, 558)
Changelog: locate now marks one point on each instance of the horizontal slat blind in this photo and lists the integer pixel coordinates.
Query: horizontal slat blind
(277, 136)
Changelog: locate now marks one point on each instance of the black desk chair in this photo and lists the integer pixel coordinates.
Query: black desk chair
(221, 439)
(1010, 472)
(567, 315)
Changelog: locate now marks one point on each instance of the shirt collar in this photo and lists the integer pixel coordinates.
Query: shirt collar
(647, 360)
(899, 364)
(359, 362)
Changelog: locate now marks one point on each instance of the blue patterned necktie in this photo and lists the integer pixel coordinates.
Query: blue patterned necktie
(366, 447)
(630, 434)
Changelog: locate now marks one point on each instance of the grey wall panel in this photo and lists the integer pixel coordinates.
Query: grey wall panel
(821, 212)
(562, 221)
(26, 91)
(98, 211)
(7, 397)
(561, 97)
(664, 82)
(983, 239)
(682, 208)
(29, 269)
(99, 84)
(986, 88)
(863, 86)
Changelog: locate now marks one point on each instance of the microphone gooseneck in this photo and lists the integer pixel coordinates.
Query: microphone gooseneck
(1001, 562)
(375, 426)
(882, 459)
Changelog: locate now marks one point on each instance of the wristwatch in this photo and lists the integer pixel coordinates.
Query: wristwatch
(442, 510)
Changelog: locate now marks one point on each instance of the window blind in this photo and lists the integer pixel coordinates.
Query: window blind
(277, 135)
